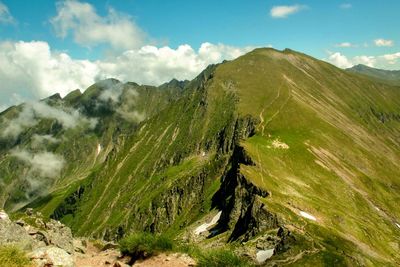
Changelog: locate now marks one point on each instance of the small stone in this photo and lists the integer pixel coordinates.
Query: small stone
(3, 216)
(29, 211)
(20, 222)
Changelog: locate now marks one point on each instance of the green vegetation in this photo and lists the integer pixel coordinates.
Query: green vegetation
(144, 245)
(99, 244)
(323, 141)
(13, 257)
(220, 258)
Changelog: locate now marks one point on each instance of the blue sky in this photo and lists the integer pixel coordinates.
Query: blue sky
(87, 37)
(315, 29)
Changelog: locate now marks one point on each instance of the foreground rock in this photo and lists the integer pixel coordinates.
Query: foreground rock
(51, 256)
(14, 234)
(47, 243)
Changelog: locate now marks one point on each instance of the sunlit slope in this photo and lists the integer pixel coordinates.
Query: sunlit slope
(167, 172)
(318, 146)
(328, 144)
(77, 132)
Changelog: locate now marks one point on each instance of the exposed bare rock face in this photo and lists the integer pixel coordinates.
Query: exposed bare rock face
(47, 243)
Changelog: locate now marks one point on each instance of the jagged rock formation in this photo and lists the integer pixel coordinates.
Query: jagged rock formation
(48, 242)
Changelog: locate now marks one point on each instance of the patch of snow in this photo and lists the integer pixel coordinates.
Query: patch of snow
(278, 144)
(398, 225)
(3, 215)
(264, 255)
(202, 228)
(99, 148)
(307, 215)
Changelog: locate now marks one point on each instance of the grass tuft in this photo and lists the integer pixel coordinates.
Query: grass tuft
(220, 258)
(144, 245)
(13, 257)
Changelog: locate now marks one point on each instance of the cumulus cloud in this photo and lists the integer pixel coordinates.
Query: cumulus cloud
(346, 6)
(383, 42)
(345, 45)
(392, 58)
(32, 111)
(127, 108)
(42, 169)
(382, 61)
(154, 66)
(340, 60)
(39, 140)
(5, 15)
(44, 164)
(30, 70)
(124, 106)
(89, 29)
(285, 11)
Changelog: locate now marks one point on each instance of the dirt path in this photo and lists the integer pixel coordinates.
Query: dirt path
(261, 116)
(95, 257)
(164, 260)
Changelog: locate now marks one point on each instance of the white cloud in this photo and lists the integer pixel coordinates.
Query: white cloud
(38, 140)
(346, 6)
(383, 61)
(30, 70)
(392, 58)
(69, 118)
(45, 164)
(345, 45)
(369, 61)
(90, 29)
(5, 15)
(285, 11)
(383, 42)
(340, 60)
(126, 108)
(42, 168)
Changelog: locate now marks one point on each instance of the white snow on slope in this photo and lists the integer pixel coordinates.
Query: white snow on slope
(264, 255)
(307, 215)
(99, 148)
(202, 228)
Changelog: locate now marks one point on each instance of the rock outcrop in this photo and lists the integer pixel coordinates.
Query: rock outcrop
(47, 242)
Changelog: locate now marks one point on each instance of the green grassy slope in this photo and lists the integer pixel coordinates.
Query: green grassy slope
(116, 109)
(341, 162)
(269, 138)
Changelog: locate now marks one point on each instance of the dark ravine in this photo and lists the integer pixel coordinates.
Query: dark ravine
(242, 211)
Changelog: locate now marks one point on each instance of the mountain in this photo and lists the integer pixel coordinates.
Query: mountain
(389, 76)
(274, 153)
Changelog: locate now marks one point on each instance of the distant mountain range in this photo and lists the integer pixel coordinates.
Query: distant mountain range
(275, 153)
(389, 76)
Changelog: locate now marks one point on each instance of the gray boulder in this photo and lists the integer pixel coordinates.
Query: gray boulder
(14, 234)
(51, 256)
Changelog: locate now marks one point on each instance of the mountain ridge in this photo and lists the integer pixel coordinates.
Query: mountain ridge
(292, 151)
(389, 76)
